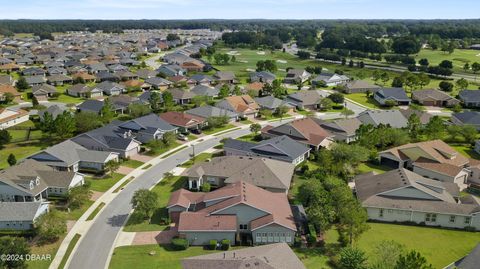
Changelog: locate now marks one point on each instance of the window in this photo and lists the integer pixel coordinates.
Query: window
(430, 217)
(380, 213)
(243, 226)
(467, 220)
(452, 218)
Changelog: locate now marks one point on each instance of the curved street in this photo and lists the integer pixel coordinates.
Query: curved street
(95, 248)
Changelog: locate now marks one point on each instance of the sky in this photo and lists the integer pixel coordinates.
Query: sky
(239, 9)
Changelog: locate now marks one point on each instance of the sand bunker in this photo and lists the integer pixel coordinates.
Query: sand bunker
(281, 61)
(250, 70)
(233, 52)
(261, 52)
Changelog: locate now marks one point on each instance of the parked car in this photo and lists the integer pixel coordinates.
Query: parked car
(182, 137)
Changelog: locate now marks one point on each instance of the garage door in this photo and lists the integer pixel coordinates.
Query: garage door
(389, 162)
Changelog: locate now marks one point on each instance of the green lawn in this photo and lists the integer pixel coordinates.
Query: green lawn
(20, 150)
(459, 57)
(439, 246)
(70, 248)
(249, 138)
(160, 151)
(220, 129)
(95, 212)
(50, 249)
(198, 159)
(370, 167)
(363, 99)
(163, 189)
(76, 213)
(467, 151)
(132, 163)
(103, 184)
(313, 258)
(164, 258)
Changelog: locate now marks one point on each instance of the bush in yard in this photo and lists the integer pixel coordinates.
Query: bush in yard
(206, 187)
(225, 244)
(390, 103)
(179, 244)
(297, 242)
(212, 244)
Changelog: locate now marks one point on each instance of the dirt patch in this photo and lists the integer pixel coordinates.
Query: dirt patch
(125, 170)
(158, 237)
(95, 195)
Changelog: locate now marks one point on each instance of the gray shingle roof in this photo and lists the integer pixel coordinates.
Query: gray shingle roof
(19, 211)
(469, 95)
(211, 111)
(375, 117)
(393, 93)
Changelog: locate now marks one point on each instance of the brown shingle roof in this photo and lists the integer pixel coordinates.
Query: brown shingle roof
(181, 119)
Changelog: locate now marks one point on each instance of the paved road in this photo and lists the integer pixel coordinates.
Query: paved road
(93, 251)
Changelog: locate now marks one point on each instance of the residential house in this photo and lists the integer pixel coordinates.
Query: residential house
(7, 80)
(342, 129)
(32, 181)
(212, 111)
(273, 256)
(122, 102)
(146, 128)
(185, 122)
(136, 85)
(253, 89)
(224, 77)
(171, 70)
(205, 90)
(158, 83)
(360, 86)
(272, 103)
(94, 106)
(193, 65)
(393, 118)
(296, 76)
(125, 75)
(272, 175)
(305, 131)
(53, 110)
(200, 79)
(281, 148)
(8, 89)
(33, 71)
(239, 210)
(329, 79)
(146, 73)
(58, 80)
(87, 78)
(106, 76)
(262, 76)
(10, 117)
(84, 91)
(180, 96)
(35, 80)
(304, 99)
(243, 105)
(423, 116)
(433, 97)
(404, 196)
(471, 118)
(21, 216)
(470, 98)
(396, 95)
(44, 92)
(433, 159)
(70, 156)
(110, 88)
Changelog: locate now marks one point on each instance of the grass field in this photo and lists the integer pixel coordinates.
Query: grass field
(132, 163)
(163, 190)
(370, 167)
(459, 57)
(20, 150)
(103, 184)
(362, 98)
(467, 151)
(198, 159)
(50, 249)
(164, 257)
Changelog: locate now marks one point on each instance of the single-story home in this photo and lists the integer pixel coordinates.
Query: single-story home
(397, 95)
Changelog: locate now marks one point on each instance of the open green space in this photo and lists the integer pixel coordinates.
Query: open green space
(370, 167)
(163, 256)
(105, 183)
(163, 189)
(20, 150)
(132, 163)
(467, 151)
(459, 57)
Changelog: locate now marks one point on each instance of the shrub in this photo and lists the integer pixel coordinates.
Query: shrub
(390, 103)
(311, 239)
(297, 242)
(205, 187)
(225, 244)
(212, 244)
(179, 244)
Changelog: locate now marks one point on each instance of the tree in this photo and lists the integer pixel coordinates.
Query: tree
(265, 113)
(112, 166)
(11, 159)
(86, 121)
(397, 82)
(461, 84)
(22, 84)
(423, 62)
(446, 64)
(78, 196)
(435, 128)
(35, 102)
(352, 220)
(144, 202)
(466, 67)
(138, 110)
(4, 137)
(154, 100)
(353, 258)
(445, 86)
(337, 98)
(423, 80)
(326, 104)
(12, 246)
(414, 125)
(412, 260)
(47, 123)
(475, 68)
(281, 111)
(224, 91)
(384, 77)
(406, 45)
(8, 98)
(65, 125)
(168, 101)
(107, 111)
(50, 227)
(255, 128)
(168, 138)
(386, 255)
(318, 203)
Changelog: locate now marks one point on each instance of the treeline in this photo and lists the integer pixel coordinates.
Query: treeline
(272, 38)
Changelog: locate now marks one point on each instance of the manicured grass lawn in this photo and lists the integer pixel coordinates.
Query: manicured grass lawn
(70, 247)
(132, 163)
(467, 151)
(216, 130)
(103, 184)
(459, 57)
(163, 189)
(95, 212)
(249, 138)
(312, 258)
(76, 213)
(246, 121)
(41, 250)
(20, 150)
(198, 159)
(439, 246)
(363, 99)
(160, 151)
(369, 167)
(164, 258)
